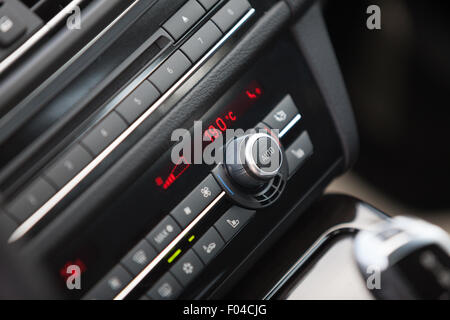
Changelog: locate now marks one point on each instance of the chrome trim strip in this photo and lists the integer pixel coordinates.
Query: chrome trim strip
(35, 38)
(290, 125)
(26, 226)
(365, 220)
(64, 67)
(167, 250)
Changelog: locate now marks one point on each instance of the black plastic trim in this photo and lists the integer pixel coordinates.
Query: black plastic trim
(313, 40)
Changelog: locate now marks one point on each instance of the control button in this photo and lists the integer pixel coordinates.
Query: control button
(30, 200)
(209, 245)
(110, 285)
(104, 133)
(254, 159)
(163, 233)
(284, 113)
(139, 257)
(187, 268)
(170, 71)
(201, 41)
(230, 14)
(68, 166)
(167, 288)
(196, 201)
(7, 226)
(184, 19)
(233, 221)
(208, 4)
(138, 101)
(11, 28)
(298, 152)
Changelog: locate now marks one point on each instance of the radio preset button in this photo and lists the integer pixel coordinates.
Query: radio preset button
(68, 166)
(196, 201)
(283, 113)
(201, 41)
(138, 101)
(230, 14)
(184, 19)
(11, 26)
(104, 133)
(167, 288)
(187, 268)
(208, 4)
(7, 226)
(139, 257)
(170, 71)
(209, 245)
(31, 200)
(233, 221)
(163, 233)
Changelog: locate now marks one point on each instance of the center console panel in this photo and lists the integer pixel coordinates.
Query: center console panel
(107, 197)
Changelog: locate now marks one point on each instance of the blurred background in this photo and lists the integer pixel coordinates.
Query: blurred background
(398, 79)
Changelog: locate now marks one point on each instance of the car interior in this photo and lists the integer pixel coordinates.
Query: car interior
(257, 150)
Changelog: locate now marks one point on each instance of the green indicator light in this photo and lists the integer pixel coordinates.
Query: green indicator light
(174, 256)
(191, 238)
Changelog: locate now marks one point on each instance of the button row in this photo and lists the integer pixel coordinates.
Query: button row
(190, 265)
(156, 241)
(302, 148)
(282, 114)
(193, 11)
(185, 270)
(103, 134)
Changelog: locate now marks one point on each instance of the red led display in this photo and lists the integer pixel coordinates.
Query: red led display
(174, 174)
(216, 128)
(220, 125)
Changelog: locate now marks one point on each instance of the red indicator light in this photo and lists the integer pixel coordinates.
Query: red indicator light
(78, 262)
(254, 94)
(159, 181)
(176, 173)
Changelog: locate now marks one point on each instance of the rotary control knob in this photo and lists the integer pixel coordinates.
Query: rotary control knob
(253, 160)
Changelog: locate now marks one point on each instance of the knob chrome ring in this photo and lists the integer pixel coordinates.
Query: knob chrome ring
(250, 161)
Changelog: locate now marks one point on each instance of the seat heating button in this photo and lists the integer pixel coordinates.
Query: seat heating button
(233, 221)
(298, 152)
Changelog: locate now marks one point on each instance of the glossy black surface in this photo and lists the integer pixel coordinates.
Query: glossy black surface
(283, 267)
(143, 204)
